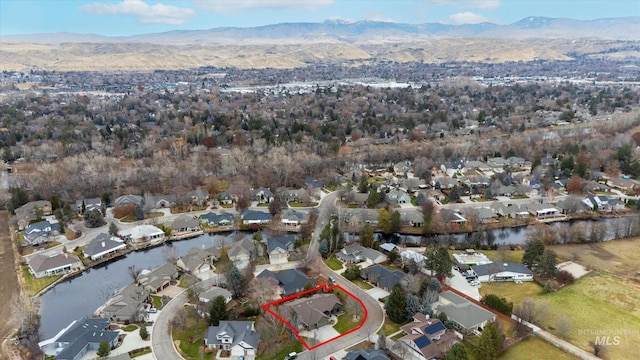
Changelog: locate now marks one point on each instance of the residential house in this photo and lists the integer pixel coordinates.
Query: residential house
(408, 256)
(498, 163)
(548, 161)
(254, 217)
(143, 233)
(313, 312)
(507, 271)
(84, 335)
(413, 218)
(159, 278)
(356, 198)
(292, 195)
(602, 203)
(198, 261)
(184, 224)
(543, 211)
(163, 201)
(485, 215)
(127, 200)
(89, 204)
(452, 167)
(243, 250)
(226, 198)
(360, 354)
(198, 197)
(43, 207)
(427, 338)
(279, 247)
(292, 281)
(433, 194)
(212, 219)
(127, 305)
(239, 337)
(622, 184)
(518, 163)
(214, 292)
(452, 217)
(42, 265)
(466, 315)
(354, 254)
(41, 232)
(314, 187)
(382, 277)
(103, 245)
(262, 195)
(396, 197)
(290, 217)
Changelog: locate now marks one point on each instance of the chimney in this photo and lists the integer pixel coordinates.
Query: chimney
(103, 244)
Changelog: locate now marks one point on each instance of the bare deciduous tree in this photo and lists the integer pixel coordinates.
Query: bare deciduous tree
(564, 325)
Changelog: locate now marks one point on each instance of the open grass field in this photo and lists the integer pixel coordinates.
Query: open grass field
(620, 257)
(599, 303)
(511, 291)
(8, 276)
(534, 347)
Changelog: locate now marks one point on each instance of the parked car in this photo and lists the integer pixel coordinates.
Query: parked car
(152, 310)
(332, 279)
(474, 283)
(456, 268)
(291, 356)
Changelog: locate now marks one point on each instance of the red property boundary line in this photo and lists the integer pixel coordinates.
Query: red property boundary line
(326, 289)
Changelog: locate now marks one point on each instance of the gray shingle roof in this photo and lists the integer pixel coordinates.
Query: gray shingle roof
(240, 331)
(493, 268)
(102, 243)
(463, 311)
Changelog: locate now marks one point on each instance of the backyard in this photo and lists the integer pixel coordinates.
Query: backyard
(36, 285)
(511, 291)
(534, 347)
(189, 338)
(333, 263)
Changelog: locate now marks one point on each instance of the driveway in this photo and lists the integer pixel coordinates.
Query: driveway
(461, 284)
(377, 293)
(322, 334)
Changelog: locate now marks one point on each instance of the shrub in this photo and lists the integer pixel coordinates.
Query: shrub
(564, 277)
(144, 333)
(498, 303)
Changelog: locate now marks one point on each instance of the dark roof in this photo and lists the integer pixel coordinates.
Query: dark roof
(291, 280)
(280, 242)
(238, 330)
(365, 355)
(82, 332)
(212, 217)
(249, 215)
(385, 277)
(101, 243)
(316, 183)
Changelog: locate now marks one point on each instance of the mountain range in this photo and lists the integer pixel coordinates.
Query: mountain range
(363, 32)
(290, 45)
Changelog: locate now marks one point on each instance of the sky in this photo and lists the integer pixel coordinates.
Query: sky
(130, 17)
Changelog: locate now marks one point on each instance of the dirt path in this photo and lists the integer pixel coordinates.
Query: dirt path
(9, 288)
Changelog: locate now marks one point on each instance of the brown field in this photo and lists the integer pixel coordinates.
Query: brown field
(619, 257)
(8, 278)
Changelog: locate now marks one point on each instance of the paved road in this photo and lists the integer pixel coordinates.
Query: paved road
(376, 315)
(161, 341)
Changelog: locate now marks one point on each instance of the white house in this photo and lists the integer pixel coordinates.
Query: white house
(143, 233)
(239, 337)
(507, 271)
(101, 245)
(41, 266)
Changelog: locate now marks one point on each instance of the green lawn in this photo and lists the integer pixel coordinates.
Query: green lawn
(389, 327)
(598, 302)
(156, 300)
(511, 291)
(140, 352)
(362, 284)
(190, 337)
(333, 263)
(130, 328)
(346, 322)
(534, 347)
(130, 219)
(285, 349)
(36, 285)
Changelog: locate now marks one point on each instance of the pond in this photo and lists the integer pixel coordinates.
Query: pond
(82, 295)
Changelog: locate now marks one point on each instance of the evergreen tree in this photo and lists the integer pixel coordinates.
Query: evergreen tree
(374, 198)
(535, 249)
(144, 333)
(396, 222)
(547, 265)
(396, 304)
(218, 311)
(323, 248)
(113, 229)
(382, 340)
(364, 184)
(139, 212)
(103, 350)
(413, 306)
(489, 344)
(236, 281)
(384, 221)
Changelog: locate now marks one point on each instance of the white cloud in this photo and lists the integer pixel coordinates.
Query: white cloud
(467, 18)
(471, 4)
(231, 6)
(143, 12)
